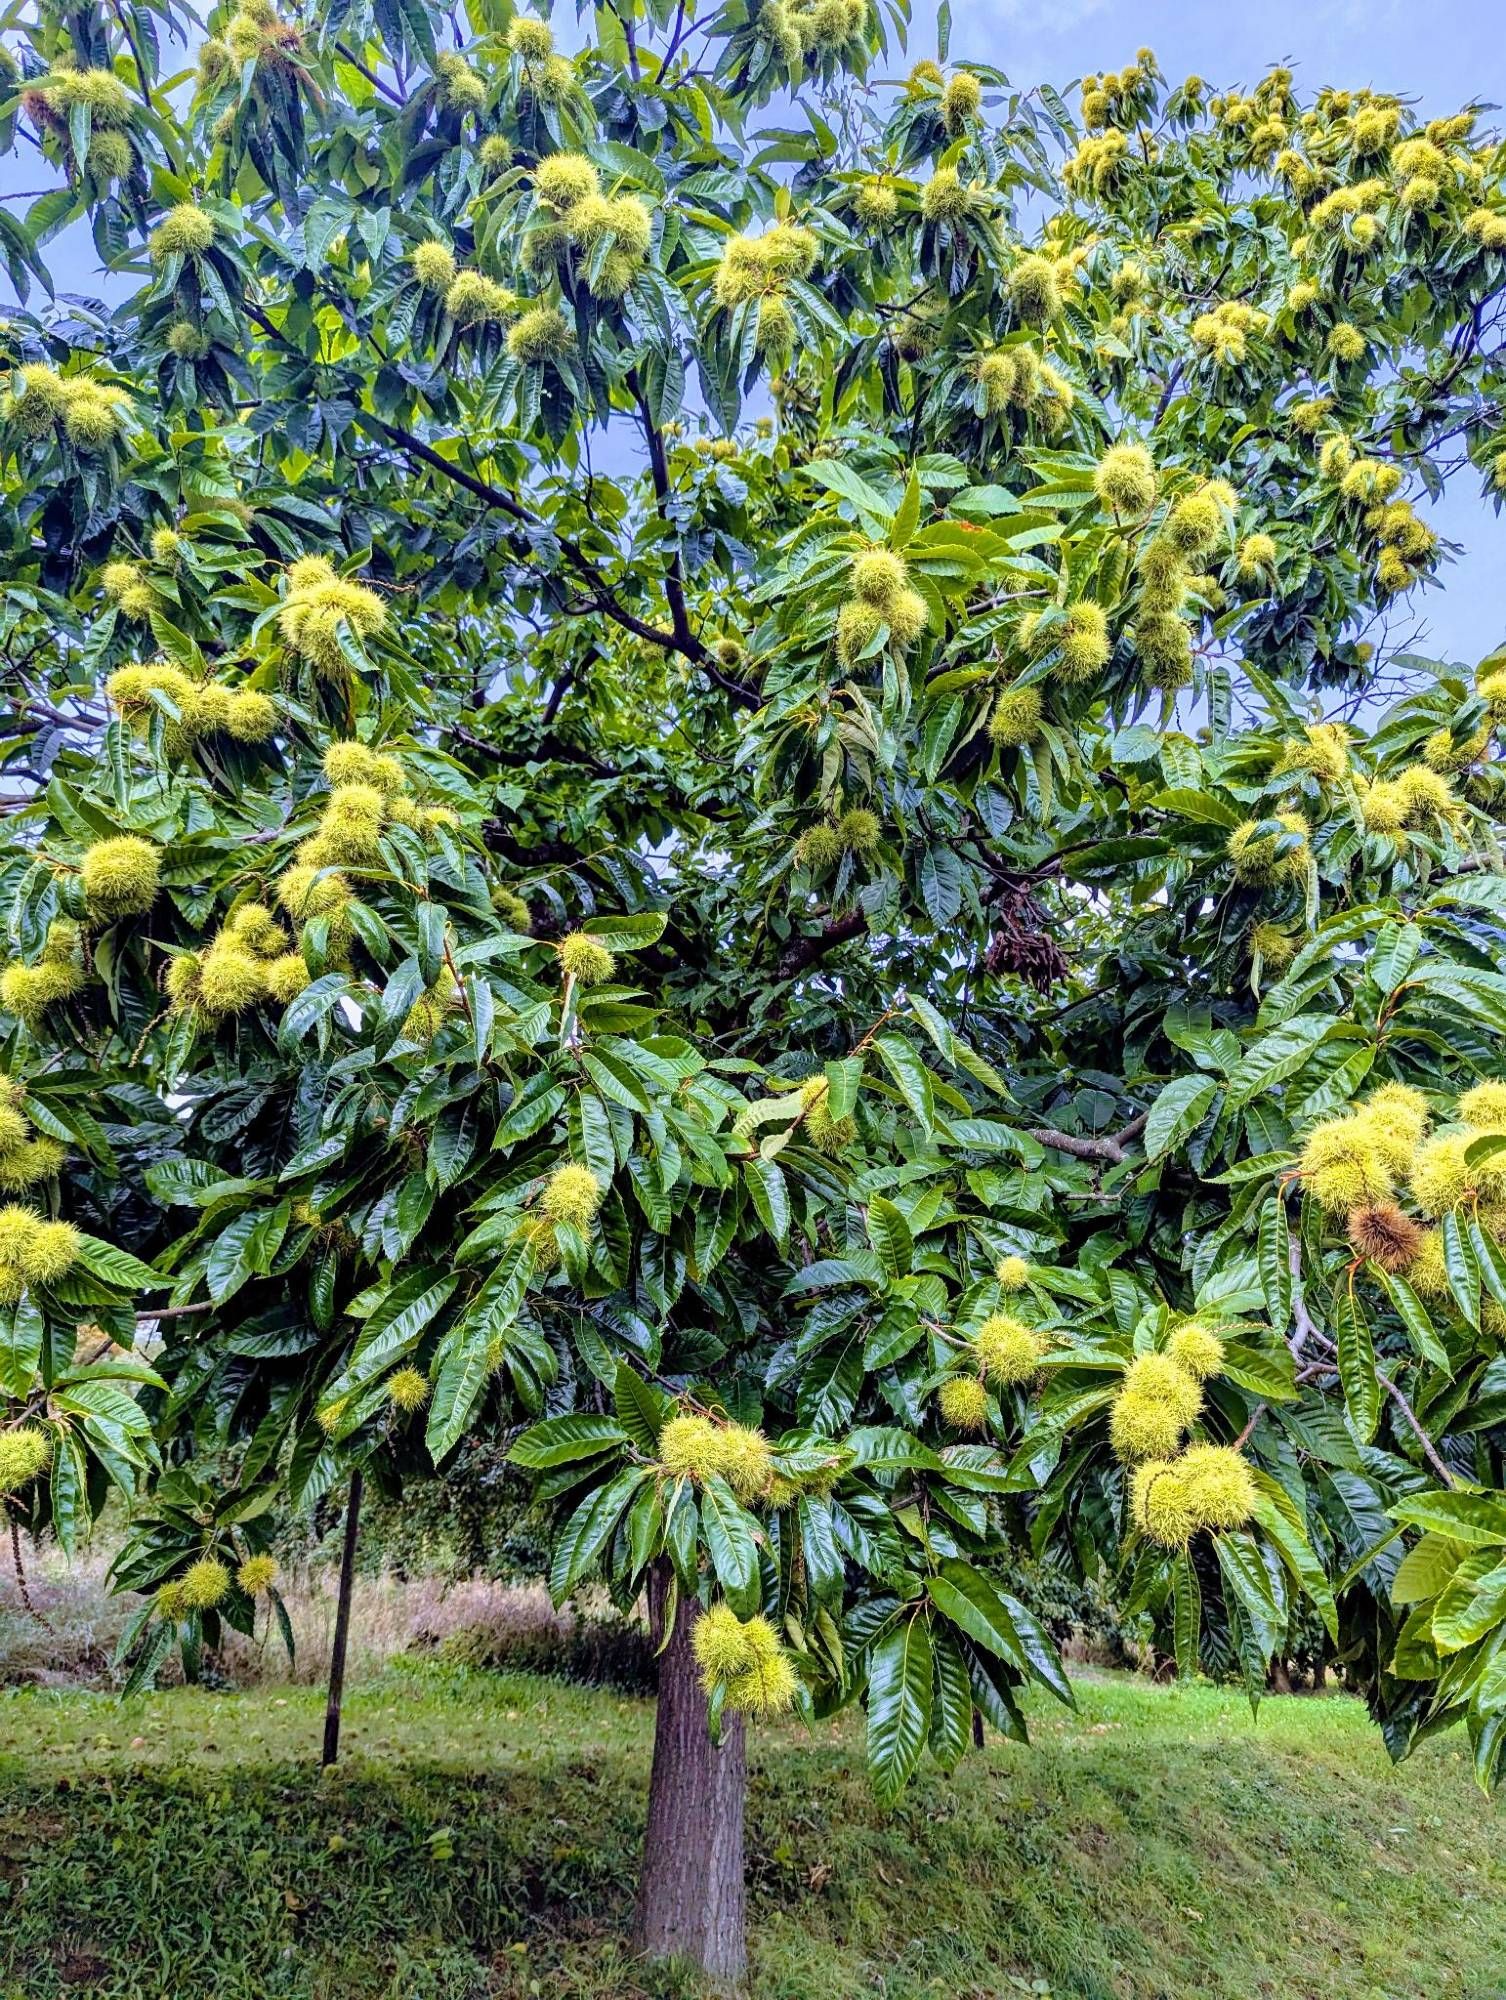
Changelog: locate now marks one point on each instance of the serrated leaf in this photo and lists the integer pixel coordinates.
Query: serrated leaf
(1178, 1111)
(901, 1674)
(116, 1266)
(731, 1542)
(589, 1529)
(641, 1409)
(889, 1233)
(766, 1184)
(563, 1440)
(1356, 1357)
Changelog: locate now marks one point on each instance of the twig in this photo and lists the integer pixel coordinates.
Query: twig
(350, 56)
(1428, 1448)
(1305, 1331)
(1302, 1320)
(21, 1586)
(1244, 1437)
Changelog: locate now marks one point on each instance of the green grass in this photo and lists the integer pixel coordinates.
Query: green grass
(479, 1841)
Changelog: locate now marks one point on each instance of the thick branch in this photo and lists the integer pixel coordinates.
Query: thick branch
(658, 465)
(681, 640)
(804, 952)
(547, 750)
(1110, 1147)
(526, 853)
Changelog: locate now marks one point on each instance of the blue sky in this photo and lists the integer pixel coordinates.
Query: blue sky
(1441, 53)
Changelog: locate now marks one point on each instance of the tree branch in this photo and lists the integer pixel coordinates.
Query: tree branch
(602, 598)
(350, 56)
(803, 952)
(21, 1586)
(1428, 1448)
(1305, 1331)
(1109, 1148)
(658, 466)
(523, 853)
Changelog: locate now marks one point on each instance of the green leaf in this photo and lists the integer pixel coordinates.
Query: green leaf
(951, 1702)
(1273, 1253)
(1356, 1354)
(941, 885)
(1187, 1615)
(1478, 1519)
(311, 1006)
(1248, 1584)
(116, 1266)
(231, 1260)
(1490, 1261)
(766, 1184)
(627, 933)
(911, 1078)
(1278, 1055)
(1276, 1513)
(21, 1333)
(1459, 1264)
(641, 1409)
(1425, 1569)
(901, 1676)
(839, 477)
(844, 1079)
(999, 1622)
(1413, 1315)
(404, 987)
(907, 519)
(562, 1440)
(1177, 1111)
(1203, 808)
(824, 1571)
(464, 1372)
(1472, 1604)
(69, 1493)
(590, 1528)
(731, 1542)
(889, 1233)
(1267, 1372)
(1397, 946)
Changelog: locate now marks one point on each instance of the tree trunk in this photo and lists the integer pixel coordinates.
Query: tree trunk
(342, 1623)
(691, 1902)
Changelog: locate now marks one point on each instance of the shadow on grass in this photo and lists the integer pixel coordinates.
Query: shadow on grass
(250, 1884)
(481, 1843)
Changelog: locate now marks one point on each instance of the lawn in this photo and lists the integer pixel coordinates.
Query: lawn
(479, 1841)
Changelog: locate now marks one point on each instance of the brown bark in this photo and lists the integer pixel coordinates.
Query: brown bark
(342, 1623)
(691, 1898)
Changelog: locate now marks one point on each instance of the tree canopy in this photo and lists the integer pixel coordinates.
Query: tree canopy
(750, 801)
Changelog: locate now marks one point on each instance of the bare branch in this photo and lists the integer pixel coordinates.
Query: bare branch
(1110, 1147)
(804, 952)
